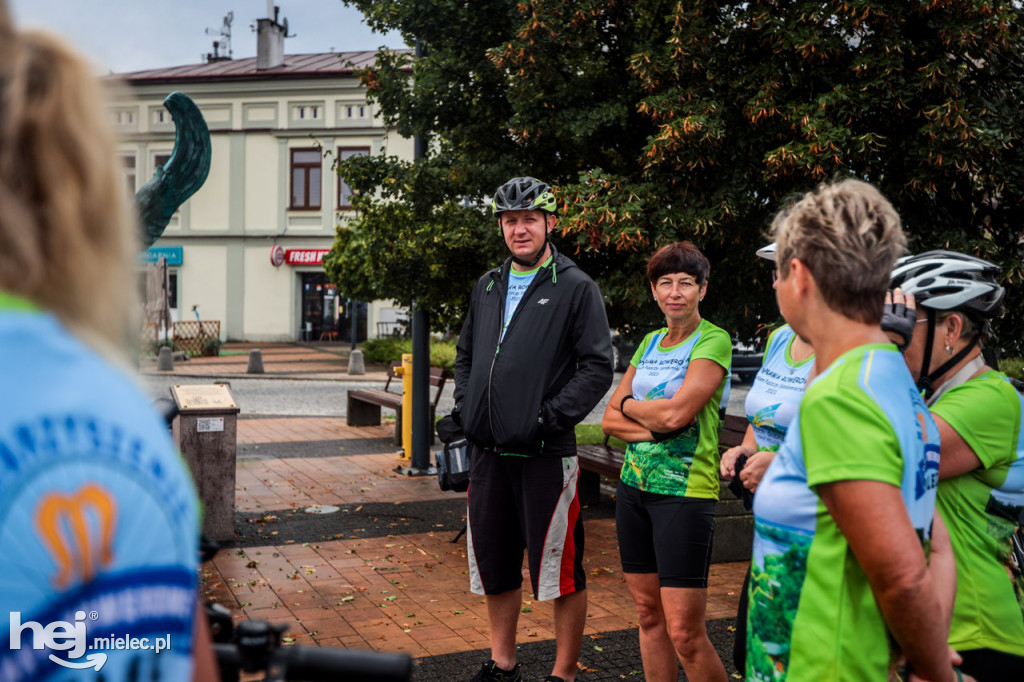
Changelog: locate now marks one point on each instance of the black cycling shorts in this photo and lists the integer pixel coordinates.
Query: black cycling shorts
(989, 665)
(665, 534)
(530, 503)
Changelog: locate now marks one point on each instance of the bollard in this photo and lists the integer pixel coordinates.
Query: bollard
(165, 361)
(255, 361)
(355, 362)
(205, 431)
(405, 422)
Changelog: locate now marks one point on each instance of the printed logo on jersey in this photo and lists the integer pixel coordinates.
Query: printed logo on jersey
(766, 416)
(657, 392)
(78, 532)
(927, 478)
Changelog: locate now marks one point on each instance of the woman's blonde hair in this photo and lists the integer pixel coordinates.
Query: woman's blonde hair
(849, 237)
(67, 235)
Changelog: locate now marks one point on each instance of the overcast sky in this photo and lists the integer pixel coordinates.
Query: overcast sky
(133, 35)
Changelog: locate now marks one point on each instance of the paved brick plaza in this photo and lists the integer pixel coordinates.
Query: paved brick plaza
(382, 572)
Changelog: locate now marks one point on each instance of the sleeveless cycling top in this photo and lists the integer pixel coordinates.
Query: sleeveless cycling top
(982, 509)
(98, 517)
(775, 395)
(812, 613)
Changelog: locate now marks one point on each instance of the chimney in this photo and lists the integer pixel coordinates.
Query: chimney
(270, 37)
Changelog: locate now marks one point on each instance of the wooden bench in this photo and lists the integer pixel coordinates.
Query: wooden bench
(364, 403)
(734, 524)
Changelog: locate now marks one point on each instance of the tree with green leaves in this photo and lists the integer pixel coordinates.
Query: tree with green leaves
(662, 121)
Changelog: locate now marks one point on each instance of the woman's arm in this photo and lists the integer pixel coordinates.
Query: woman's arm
(955, 457)
(748, 447)
(874, 520)
(942, 565)
(614, 423)
(663, 415)
(755, 467)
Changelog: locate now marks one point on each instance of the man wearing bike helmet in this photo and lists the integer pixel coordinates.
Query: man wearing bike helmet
(534, 358)
(981, 473)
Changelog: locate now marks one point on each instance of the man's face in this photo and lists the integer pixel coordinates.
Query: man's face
(525, 232)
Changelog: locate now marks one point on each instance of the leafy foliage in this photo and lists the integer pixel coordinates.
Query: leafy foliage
(385, 350)
(662, 121)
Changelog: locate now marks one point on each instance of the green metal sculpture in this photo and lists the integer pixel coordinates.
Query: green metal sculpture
(183, 174)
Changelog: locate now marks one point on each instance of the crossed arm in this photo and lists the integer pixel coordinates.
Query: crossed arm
(642, 417)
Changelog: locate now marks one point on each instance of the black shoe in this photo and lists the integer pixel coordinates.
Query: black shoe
(553, 678)
(492, 673)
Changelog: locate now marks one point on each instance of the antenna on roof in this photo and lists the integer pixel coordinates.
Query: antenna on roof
(221, 48)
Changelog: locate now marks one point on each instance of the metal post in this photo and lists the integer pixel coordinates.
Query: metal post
(421, 426)
(352, 319)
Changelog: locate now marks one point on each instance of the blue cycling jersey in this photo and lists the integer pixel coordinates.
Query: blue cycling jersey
(98, 517)
(775, 395)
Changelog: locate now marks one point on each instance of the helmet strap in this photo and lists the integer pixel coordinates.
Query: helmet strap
(926, 381)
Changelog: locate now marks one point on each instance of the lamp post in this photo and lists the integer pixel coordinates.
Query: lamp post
(421, 426)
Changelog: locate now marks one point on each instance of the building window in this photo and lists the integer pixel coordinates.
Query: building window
(305, 179)
(124, 117)
(172, 290)
(160, 116)
(128, 170)
(355, 111)
(307, 112)
(344, 191)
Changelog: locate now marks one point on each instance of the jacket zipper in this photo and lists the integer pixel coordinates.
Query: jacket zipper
(490, 372)
(501, 325)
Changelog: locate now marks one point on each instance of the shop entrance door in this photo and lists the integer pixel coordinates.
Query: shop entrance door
(325, 315)
(319, 307)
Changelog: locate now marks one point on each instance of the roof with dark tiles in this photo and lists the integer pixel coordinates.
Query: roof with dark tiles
(318, 65)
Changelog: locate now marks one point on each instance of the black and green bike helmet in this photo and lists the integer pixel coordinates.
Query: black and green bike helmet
(523, 194)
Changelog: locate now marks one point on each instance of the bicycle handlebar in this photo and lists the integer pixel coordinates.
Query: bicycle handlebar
(315, 664)
(255, 646)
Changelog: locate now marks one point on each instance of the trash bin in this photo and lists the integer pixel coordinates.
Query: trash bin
(206, 433)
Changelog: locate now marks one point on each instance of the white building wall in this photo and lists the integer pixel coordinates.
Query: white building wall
(209, 206)
(203, 282)
(270, 297)
(262, 189)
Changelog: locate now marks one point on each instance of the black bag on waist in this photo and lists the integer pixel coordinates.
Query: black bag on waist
(453, 460)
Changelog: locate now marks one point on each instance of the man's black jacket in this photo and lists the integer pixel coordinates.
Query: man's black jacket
(554, 365)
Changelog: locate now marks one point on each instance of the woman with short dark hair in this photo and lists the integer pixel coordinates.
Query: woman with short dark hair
(666, 408)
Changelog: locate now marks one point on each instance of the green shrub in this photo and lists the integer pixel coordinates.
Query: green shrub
(385, 349)
(211, 346)
(1012, 367)
(388, 349)
(153, 347)
(442, 354)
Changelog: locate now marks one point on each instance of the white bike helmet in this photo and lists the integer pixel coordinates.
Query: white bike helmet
(949, 281)
(767, 252)
(945, 281)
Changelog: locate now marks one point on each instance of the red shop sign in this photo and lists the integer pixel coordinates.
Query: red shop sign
(277, 255)
(305, 256)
